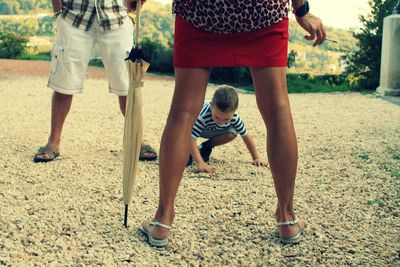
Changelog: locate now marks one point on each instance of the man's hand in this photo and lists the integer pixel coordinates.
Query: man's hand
(204, 168)
(259, 163)
(313, 25)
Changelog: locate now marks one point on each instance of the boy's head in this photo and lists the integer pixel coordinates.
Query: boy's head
(224, 104)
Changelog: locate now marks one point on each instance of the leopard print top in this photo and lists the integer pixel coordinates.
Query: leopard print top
(231, 16)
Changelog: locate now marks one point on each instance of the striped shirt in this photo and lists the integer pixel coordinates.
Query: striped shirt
(206, 122)
(82, 13)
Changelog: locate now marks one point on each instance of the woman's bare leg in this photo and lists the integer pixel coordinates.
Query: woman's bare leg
(190, 88)
(273, 103)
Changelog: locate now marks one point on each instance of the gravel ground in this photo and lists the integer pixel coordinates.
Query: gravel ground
(70, 211)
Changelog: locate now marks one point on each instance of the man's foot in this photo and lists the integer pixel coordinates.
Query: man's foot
(46, 154)
(147, 153)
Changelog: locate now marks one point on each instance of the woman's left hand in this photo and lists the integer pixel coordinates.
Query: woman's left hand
(314, 26)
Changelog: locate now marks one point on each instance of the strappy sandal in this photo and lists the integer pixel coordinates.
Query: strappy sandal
(154, 241)
(293, 239)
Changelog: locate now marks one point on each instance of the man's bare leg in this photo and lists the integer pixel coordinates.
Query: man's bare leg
(60, 107)
(122, 107)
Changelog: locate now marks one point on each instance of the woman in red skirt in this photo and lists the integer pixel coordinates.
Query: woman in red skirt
(231, 33)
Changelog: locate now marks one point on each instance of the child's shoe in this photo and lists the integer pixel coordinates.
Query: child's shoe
(205, 151)
(190, 161)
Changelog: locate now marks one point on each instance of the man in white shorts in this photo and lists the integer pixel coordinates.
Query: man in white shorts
(80, 25)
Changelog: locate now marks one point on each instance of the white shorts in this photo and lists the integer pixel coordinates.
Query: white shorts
(73, 48)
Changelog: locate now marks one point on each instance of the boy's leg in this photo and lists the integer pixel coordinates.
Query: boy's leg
(221, 139)
(70, 56)
(190, 87)
(217, 140)
(273, 103)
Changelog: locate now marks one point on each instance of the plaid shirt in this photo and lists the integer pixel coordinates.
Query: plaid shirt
(82, 13)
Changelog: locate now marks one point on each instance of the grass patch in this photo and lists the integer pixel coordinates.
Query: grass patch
(364, 156)
(42, 56)
(306, 83)
(377, 201)
(297, 83)
(392, 164)
(394, 152)
(96, 62)
(361, 154)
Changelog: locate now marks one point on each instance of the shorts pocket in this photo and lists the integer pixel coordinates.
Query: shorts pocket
(57, 56)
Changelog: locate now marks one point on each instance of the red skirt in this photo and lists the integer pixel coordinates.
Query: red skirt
(194, 48)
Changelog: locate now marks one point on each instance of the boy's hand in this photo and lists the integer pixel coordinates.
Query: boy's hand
(205, 168)
(259, 163)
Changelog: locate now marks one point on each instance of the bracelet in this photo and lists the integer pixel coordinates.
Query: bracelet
(302, 10)
(58, 12)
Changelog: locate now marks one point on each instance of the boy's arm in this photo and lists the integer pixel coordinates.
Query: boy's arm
(195, 152)
(251, 146)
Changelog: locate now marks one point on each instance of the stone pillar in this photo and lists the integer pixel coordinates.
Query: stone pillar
(390, 61)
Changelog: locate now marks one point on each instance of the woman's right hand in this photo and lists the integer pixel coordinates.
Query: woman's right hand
(314, 26)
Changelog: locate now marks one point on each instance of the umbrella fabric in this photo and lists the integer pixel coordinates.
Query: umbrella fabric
(133, 127)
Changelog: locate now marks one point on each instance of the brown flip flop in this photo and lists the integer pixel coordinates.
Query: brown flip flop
(49, 151)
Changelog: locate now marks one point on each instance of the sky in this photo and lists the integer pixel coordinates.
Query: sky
(336, 13)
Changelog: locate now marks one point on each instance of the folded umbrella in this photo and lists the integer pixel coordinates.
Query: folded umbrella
(133, 128)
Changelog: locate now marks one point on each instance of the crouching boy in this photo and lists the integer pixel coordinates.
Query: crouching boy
(219, 123)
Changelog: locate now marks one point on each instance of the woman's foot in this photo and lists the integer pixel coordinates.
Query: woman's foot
(290, 231)
(157, 232)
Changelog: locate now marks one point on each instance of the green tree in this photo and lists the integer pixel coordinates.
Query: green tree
(43, 4)
(12, 45)
(291, 58)
(46, 26)
(27, 5)
(28, 26)
(9, 7)
(364, 64)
